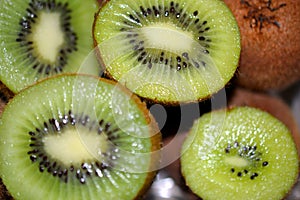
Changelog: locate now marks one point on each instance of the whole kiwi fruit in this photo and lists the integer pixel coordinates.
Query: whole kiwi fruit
(270, 34)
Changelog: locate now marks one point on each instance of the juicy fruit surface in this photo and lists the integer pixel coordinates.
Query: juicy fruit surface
(43, 38)
(168, 51)
(99, 136)
(243, 153)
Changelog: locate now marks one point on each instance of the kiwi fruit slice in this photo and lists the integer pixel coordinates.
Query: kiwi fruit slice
(270, 34)
(78, 137)
(239, 153)
(168, 51)
(41, 38)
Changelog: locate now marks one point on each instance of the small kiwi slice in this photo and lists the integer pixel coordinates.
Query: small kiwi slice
(77, 137)
(270, 34)
(41, 38)
(241, 153)
(168, 51)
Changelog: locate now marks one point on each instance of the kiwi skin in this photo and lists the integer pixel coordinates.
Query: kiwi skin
(2, 105)
(156, 139)
(271, 104)
(270, 55)
(4, 194)
(5, 96)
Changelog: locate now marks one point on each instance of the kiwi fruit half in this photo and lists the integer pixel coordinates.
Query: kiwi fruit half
(41, 38)
(77, 137)
(270, 34)
(168, 51)
(239, 153)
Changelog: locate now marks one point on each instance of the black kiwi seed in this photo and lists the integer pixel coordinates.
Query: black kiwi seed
(201, 38)
(188, 21)
(82, 172)
(264, 164)
(26, 24)
(253, 176)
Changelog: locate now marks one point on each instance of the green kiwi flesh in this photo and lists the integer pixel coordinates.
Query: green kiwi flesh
(168, 51)
(77, 137)
(41, 38)
(242, 153)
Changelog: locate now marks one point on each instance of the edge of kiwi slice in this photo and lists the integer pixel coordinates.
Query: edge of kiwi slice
(239, 153)
(168, 51)
(42, 38)
(118, 153)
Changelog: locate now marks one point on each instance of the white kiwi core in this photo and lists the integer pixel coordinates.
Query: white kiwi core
(75, 145)
(48, 36)
(236, 161)
(166, 37)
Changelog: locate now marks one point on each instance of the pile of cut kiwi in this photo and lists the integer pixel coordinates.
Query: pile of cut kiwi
(92, 91)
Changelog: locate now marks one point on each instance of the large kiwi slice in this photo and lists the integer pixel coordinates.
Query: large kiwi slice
(41, 38)
(77, 137)
(242, 153)
(168, 51)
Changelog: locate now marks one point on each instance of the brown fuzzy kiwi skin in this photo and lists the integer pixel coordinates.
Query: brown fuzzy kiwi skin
(102, 2)
(2, 105)
(156, 138)
(5, 96)
(4, 194)
(270, 54)
(271, 104)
